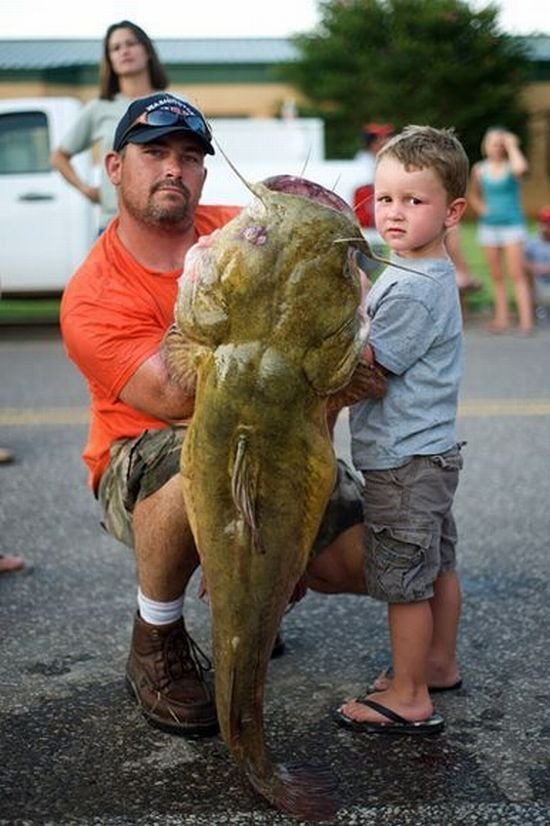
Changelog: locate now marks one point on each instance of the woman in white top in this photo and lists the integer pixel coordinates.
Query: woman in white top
(129, 68)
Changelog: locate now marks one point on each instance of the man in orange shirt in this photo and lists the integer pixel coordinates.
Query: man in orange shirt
(114, 314)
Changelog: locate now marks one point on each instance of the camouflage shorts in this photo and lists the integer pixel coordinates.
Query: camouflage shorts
(140, 466)
(410, 532)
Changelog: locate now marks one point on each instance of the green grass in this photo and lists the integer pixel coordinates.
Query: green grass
(472, 252)
(29, 310)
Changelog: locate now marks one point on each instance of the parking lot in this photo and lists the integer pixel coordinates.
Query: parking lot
(75, 750)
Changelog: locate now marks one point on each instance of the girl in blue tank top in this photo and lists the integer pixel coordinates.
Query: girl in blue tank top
(496, 198)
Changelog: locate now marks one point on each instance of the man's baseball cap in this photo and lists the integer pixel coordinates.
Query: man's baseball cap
(380, 130)
(150, 118)
(543, 215)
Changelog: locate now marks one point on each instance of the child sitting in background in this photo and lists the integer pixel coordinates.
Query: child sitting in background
(537, 264)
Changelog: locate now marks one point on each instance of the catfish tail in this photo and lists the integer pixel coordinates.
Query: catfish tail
(300, 791)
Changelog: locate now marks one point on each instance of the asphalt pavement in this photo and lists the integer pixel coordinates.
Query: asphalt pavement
(75, 750)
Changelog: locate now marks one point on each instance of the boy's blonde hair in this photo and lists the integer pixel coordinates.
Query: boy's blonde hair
(421, 147)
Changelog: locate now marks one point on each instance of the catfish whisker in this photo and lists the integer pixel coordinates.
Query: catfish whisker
(372, 256)
(336, 182)
(247, 184)
(304, 167)
(368, 197)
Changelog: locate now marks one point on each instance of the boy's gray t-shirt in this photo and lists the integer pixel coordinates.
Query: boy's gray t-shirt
(416, 333)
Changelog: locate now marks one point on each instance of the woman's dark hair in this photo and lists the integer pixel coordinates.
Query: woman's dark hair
(109, 84)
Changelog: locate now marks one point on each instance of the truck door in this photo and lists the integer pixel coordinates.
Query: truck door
(46, 227)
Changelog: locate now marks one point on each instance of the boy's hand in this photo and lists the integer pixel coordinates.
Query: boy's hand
(367, 382)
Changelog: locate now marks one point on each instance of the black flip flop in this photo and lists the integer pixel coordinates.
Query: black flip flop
(395, 725)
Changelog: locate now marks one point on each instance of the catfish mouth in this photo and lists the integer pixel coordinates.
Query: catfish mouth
(293, 185)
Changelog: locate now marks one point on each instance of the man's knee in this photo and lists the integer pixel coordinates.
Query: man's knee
(339, 568)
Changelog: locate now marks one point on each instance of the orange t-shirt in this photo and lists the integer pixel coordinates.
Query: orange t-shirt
(114, 313)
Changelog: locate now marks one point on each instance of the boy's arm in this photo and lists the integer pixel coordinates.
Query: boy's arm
(367, 354)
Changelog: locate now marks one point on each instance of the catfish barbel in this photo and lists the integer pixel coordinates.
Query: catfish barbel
(268, 316)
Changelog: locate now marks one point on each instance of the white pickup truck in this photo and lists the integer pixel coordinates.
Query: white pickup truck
(47, 227)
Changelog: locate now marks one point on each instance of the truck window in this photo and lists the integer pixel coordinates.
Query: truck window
(24, 143)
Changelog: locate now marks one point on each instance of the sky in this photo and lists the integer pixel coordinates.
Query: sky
(215, 18)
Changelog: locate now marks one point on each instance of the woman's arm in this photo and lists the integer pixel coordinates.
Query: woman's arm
(516, 158)
(61, 161)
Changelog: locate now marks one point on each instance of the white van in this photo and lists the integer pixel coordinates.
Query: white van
(46, 227)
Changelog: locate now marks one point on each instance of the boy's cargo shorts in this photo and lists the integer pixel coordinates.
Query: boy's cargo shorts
(410, 532)
(140, 466)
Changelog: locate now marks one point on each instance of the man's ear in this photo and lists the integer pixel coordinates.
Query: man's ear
(113, 163)
(455, 211)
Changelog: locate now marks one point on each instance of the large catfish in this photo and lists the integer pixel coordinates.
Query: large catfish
(268, 310)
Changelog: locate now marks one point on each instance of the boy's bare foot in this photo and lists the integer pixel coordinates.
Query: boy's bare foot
(436, 681)
(413, 712)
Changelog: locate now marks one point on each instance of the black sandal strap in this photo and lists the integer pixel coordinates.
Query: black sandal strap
(385, 712)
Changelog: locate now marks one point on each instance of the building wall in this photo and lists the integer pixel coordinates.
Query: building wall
(243, 100)
(536, 186)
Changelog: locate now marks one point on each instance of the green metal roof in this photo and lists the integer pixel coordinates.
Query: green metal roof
(29, 55)
(229, 60)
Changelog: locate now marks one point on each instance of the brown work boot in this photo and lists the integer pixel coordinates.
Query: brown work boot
(165, 673)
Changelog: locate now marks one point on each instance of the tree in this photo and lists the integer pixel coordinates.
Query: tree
(409, 61)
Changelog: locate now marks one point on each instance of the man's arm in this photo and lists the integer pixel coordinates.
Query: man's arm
(152, 391)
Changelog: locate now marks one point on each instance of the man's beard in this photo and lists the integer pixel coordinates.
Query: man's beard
(159, 215)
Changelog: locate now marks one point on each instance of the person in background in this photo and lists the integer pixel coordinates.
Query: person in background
(130, 68)
(537, 264)
(495, 197)
(6, 456)
(405, 443)
(373, 138)
(465, 280)
(10, 564)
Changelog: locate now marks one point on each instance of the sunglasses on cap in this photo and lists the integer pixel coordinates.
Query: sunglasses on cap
(171, 115)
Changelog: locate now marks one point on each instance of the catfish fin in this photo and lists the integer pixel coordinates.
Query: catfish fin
(181, 356)
(243, 489)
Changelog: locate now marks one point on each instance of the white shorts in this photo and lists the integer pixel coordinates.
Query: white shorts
(500, 235)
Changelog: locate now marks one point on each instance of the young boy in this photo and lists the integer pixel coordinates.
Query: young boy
(405, 443)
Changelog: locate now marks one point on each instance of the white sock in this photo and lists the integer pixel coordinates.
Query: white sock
(159, 613)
